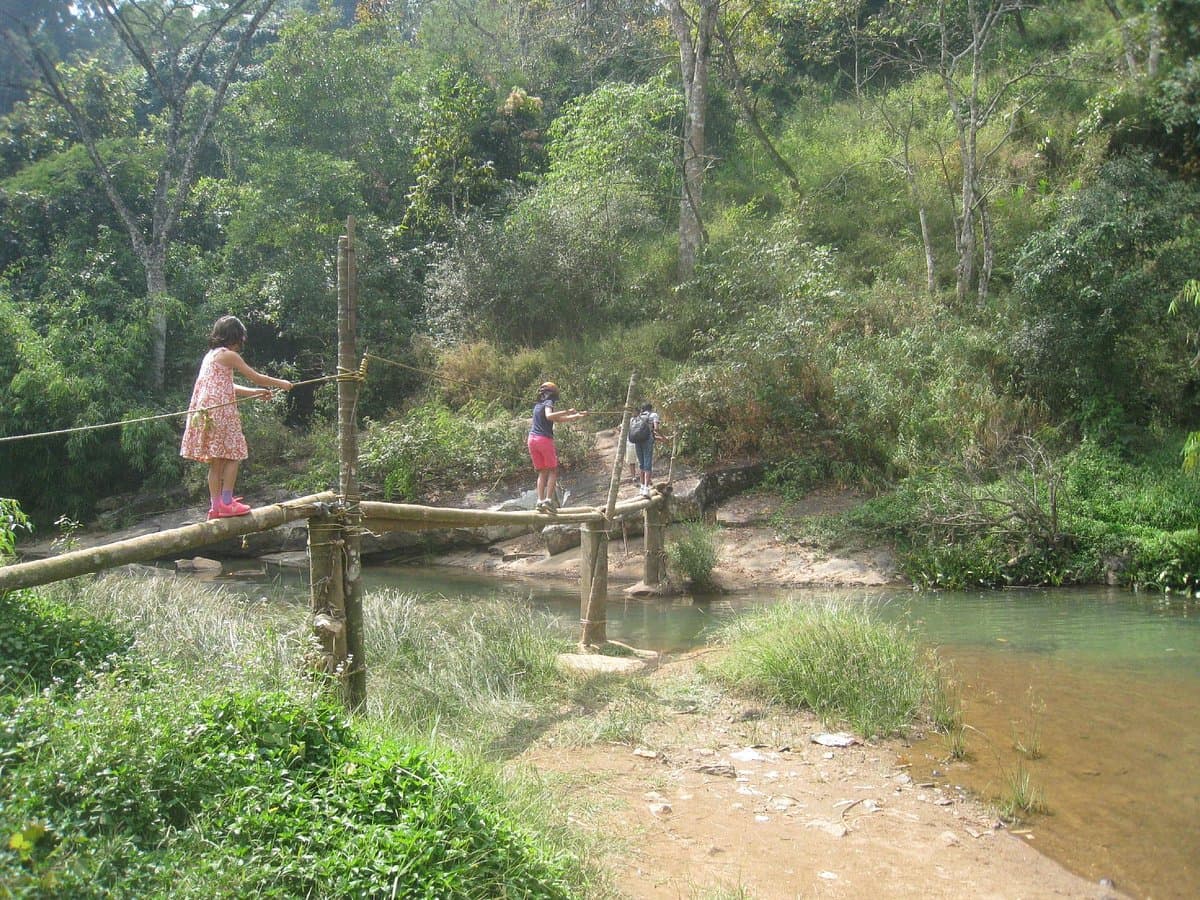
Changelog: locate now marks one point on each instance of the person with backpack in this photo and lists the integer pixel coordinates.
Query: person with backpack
(643, 432)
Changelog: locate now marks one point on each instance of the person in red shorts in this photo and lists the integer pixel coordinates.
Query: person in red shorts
(541, 442)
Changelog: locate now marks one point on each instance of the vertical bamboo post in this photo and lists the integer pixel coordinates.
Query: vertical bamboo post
(355, 674)
(654, 564)
(614, 484)
(327, 599)
(593, 542)
(593, 583)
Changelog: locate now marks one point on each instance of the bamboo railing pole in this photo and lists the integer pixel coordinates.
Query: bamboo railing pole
(593, 584)
(157, 545)
(614, 484)
(593, 537)
(351, 573)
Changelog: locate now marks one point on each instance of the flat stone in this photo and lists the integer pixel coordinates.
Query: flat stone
(595, 664)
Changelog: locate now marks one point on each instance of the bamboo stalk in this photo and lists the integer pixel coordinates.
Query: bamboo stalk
(355, 667)
(159, 544)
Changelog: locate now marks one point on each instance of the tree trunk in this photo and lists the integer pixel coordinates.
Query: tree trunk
(1126, 39)
(989, 250)
(927, 241)
(694, 59)
(748, 112)
(156, 289)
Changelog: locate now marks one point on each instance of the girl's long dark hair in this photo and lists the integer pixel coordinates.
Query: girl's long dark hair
(227, 331)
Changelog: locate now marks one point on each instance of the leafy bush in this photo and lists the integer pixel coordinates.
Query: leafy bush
(1092, 341)
(1087, 516)
(163, 791)
(834, 660)
(434, 449)
(45, 643)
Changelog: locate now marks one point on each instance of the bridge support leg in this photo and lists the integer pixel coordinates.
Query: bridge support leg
(326, 555)
(593, 584)
(654, 564)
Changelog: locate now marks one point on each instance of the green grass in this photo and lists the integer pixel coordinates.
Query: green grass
(201, 761)
(835, 660)
(692, 554)
(1021, 797)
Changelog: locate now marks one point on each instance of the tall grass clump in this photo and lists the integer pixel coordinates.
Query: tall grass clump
(203, 630)
(836, 661)
(692, 554)
(467, 671)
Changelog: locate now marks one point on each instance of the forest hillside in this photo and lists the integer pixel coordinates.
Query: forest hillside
(944, 251)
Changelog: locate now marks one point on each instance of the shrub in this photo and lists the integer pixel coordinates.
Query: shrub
(148, 792)
(45, 643)
(432, 449)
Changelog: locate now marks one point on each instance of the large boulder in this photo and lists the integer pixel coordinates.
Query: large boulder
(693, 496)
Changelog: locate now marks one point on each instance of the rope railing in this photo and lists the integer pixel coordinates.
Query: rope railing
(358, 374)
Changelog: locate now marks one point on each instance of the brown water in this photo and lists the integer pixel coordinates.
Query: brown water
(1101, 686)
(1116, 761)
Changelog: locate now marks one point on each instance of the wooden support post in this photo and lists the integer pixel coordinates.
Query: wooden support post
(326, 546)
(593, 584)
(351, 574)
(654, 564)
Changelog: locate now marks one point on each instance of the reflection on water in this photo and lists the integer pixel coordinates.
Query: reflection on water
(1102, 686)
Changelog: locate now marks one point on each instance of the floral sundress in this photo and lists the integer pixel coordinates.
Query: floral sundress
(214, 426)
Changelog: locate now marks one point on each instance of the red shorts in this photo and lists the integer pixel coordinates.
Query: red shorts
(542, 452)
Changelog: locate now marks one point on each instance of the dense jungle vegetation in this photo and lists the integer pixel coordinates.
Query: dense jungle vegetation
(944, 250)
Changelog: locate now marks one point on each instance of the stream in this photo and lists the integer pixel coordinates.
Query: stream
(1093, 693)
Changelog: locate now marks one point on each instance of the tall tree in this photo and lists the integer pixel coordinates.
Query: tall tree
(956, 41)
(694, 32)
(190, 53)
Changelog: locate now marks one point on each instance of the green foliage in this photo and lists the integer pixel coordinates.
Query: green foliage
(211, 795)
(556, 267)
(692, 554)
(433, 449)
(1092, 341)
(1085, 517)
(836, 661)
(46, 644)
(12, 520)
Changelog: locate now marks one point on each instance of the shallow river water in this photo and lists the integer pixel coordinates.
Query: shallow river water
(1100, 687)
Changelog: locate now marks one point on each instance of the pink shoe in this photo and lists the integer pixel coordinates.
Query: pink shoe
(212, 513)
(236, 508)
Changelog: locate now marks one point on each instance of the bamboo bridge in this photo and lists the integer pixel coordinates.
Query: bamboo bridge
(338, 519)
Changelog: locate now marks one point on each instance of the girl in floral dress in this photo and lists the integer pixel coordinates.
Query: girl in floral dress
(213, 433)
